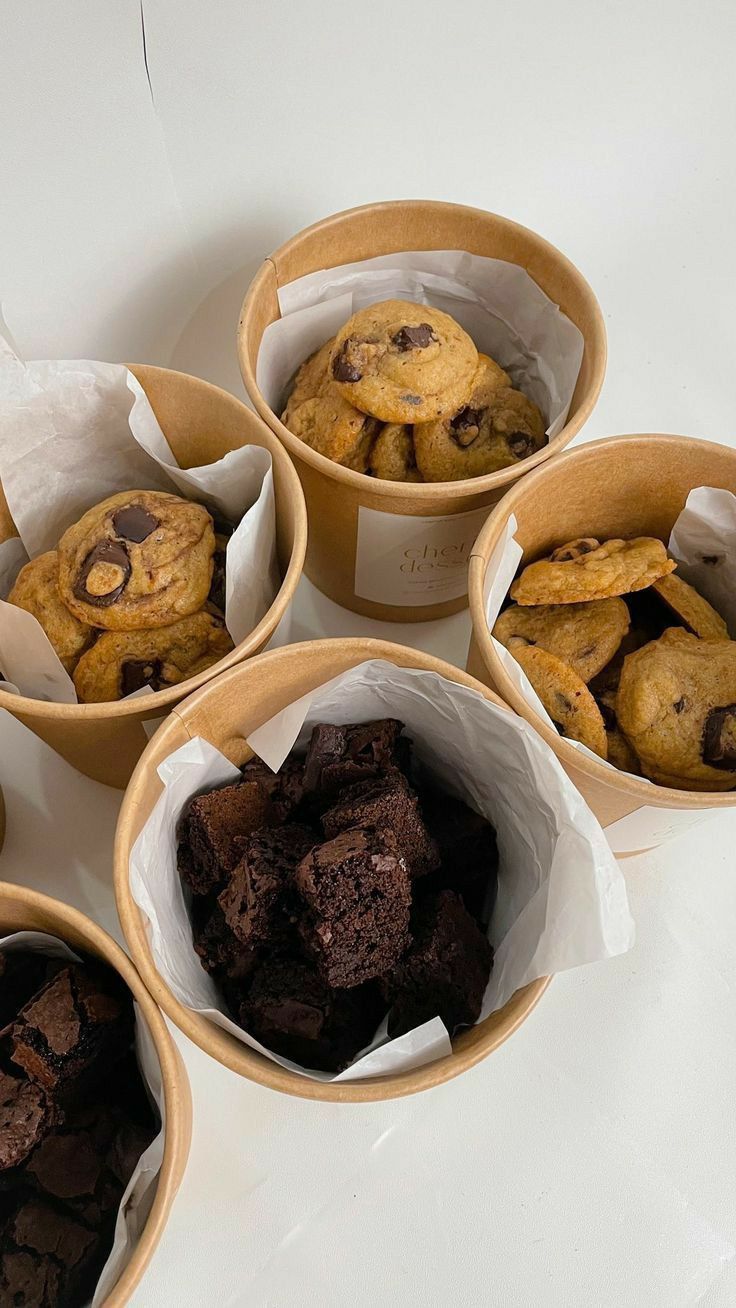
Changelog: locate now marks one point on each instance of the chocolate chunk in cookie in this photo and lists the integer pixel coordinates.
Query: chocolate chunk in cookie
(719, 738)
(104, 574)
(134, 522)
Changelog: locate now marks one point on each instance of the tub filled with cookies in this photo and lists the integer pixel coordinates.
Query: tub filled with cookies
(603, 609)
(416, 358)
(95, 1114)
(347, 871)
(152, 530)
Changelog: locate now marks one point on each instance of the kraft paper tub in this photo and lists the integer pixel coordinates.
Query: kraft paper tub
(365, 533)
(250, 695)
(26, 910)
(620, 487)
(201, 423)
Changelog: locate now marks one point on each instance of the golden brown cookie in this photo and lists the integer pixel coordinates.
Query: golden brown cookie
(614, 568)
(121, 662)
(334, 428)
(676, 704)
(403, 362)
(696, 613)
(585, 636)
(311, 380)
(392, 456)
(36, 590)
(565, 697)
(139, 559)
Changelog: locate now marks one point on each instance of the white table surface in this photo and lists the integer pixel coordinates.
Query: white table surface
(590, 1161)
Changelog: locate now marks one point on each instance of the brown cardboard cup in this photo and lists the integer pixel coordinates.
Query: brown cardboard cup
(248, 696)
(201, 423)
(335, 495)
(25, 910)
(620, 487)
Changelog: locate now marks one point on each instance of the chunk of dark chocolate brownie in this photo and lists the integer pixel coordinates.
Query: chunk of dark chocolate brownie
(356, 890)
(285, 788)
(79, 1163)
(22, 973)
(48, 1233)
(445, 972)
(389, 804)
(83, 1015)
(211, 828)
(260, 901)
(220, 952)
(291, 1011)
(468, 853)
(29, 1280)
(26, 1116)
(338, 756)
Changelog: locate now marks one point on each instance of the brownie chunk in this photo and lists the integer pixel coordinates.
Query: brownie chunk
(87, 1163)
(356, 890)
(389, 804)
(211, 828)
(83, 1015)
(52, 1237)
(22, 973)
(219, 950)
(468, 853)
(340, 756)
(259, 901)
(26, 1115)
(284, 788)
(291, 1011)
(446, 971)
(29, 1280)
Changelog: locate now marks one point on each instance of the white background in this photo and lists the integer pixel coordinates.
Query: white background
(590, 1161)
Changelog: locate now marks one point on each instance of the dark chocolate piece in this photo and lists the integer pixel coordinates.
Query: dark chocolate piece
(84, 1014)
(465, 426)
(356, 890)
(719, 738)
(414, 338)
(211, 829)
(134, 523)
(259, 901)
(26, 1116)
(137, 673)
(109, 552)
(342, 369)
(445, 972)
(388, 804)
(291, 1011)
(520, 444)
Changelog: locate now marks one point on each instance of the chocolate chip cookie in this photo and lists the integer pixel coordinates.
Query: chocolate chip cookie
(676, 704)
(565, 697)
(329, 424)
(586, 570)
(690, 607)
(140, 559)
(311, 380)
(403, 362)
(495, 428)
(585, 636)
(393, 457)
(121, 662)
(37, 591)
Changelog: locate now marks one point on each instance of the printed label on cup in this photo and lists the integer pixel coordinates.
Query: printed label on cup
(401, 559)
(648, 826)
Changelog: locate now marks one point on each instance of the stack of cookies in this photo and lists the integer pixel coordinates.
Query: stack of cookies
(74, 1121)
(402, 393)
(133, 596)
(647, 682)
(337, 890)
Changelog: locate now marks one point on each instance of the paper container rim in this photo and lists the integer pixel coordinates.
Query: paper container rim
(160, 701)
(216, 1042)
(422, 492)
(60, 918)
(647, 793)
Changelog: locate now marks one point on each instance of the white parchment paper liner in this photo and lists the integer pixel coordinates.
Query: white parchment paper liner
(703, 540)
(561, 900)
(136, 1202)
(73, 433)
(500, 306)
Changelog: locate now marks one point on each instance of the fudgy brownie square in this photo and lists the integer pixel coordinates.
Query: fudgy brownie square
(285, 788)
(291, 1011)
(84, 1014)
(26, 1116)
(357, 892)
(339, 756)
(220, 952)
(445, 972)
(389, 804)
(468, 853)
(51, 1239)
(259, 901)
(211, 828)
